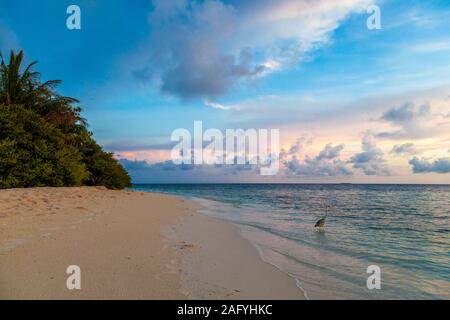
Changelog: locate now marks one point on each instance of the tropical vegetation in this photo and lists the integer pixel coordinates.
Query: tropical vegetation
(44, 140)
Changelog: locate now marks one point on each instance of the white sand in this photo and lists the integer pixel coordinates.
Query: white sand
(129, 245)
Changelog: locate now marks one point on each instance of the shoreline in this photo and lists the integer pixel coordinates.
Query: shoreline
(129, 245)
(219, 263)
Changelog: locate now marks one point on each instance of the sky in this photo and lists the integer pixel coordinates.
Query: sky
(352, 104)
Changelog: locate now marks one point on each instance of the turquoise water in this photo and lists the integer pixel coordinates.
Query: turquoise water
(404, 229)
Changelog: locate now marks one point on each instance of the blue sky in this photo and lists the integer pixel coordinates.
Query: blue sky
(312, 69)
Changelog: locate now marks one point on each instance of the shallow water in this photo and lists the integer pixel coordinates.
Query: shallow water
(403, 229)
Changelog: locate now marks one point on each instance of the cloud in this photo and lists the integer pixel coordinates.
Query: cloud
(120, 146)
(219, 106)
(167, 171)
(168, 165)
(370, 160)
(406, 148)
(412, 121)
(441, 165)
(399, 115)
(201, 49)
(330, 152)
(431, 46)
(296, 147)
(186, 54)
(312, 167)
(326, 164)
(134, 165)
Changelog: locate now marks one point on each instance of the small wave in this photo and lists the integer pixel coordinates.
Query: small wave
(297, 281)
(299, 285)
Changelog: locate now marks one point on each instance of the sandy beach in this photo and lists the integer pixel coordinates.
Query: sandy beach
(128, 245)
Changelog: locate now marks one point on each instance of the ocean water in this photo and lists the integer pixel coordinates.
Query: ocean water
(403, 229)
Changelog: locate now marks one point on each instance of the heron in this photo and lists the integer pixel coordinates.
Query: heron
(321, 223)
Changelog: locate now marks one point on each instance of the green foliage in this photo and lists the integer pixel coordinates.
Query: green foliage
(43, 138)
(33, 153)
(104, 169)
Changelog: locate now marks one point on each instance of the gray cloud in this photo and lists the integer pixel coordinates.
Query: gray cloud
(192, 78)
(167, 165)
(312, 167)
(370, 160)
(167, 171)
(330, 152)
(296, 147)
(406, 148)
(326, 164)
(187, 56)
(411, 121)
(134, 165)
(402, 114)
(441, 165)
(121, 146)
(201, 49)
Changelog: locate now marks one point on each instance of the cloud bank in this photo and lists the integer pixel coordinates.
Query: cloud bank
(441, 165)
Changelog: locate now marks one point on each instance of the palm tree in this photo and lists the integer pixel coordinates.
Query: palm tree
(25, 88)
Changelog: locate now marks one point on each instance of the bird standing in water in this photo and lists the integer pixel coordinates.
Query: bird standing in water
(321, 223)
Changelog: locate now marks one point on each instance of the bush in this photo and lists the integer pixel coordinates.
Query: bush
(103, 168)
(33, 153)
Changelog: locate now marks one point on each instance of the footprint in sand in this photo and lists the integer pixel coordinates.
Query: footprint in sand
(183, 245)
